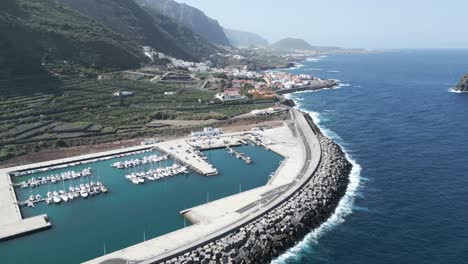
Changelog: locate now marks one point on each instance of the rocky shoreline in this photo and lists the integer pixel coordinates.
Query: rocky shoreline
(273, 233)
(328, 84)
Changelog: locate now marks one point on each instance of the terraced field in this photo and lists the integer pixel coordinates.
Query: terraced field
(85, 111)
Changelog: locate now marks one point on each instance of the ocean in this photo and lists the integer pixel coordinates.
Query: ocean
(407, 136)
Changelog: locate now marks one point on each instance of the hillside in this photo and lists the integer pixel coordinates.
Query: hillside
(147, 29)
(42, 32)
(191, 18)
(244, 39)
(462, 86)
(290, 44)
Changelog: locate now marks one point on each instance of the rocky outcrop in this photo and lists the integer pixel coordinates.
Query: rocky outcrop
(268, 236)
(462, 86)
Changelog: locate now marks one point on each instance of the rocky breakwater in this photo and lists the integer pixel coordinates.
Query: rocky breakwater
(274, 232)
(462, 86)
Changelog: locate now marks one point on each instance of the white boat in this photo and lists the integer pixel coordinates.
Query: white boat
(32, 197)
(76, 194)
(57, 199)
(70, 196)
(64, 197)
(49, 200)
(135, 181)
(84, 194)
(103, 189)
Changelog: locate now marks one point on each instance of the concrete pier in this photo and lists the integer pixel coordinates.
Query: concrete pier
(12, 223)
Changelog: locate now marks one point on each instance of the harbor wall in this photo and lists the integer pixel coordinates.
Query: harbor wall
(329, 84)
(272, 232)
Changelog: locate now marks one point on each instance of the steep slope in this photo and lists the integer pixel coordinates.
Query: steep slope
(129, 19)
(37, 32)
(241, 38)
(290, 44)
(462, 86)
(191, 18)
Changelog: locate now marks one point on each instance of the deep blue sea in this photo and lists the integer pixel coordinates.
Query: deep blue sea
(408, 137)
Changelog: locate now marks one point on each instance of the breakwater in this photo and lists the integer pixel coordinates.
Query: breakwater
(267, 236)
(314, 87)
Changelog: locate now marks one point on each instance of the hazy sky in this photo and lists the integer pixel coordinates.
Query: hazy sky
(348, 23)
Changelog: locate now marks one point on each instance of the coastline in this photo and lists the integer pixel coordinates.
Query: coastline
(344, 207)
(261, 238)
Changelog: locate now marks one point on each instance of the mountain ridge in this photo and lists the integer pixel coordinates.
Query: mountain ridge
(146, 28)
(241, 38)
(36, 33)
(291, 44)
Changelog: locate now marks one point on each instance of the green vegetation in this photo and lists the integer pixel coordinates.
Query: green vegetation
(11, 151)
(86, 112)
(145, 27)
(44, 32)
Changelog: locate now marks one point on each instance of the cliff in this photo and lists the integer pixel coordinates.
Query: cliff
(191, 18)
(462, 86)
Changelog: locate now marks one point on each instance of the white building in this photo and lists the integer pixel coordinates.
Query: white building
(170, 93)
(124, 93)
(230, 96)
(207, 131)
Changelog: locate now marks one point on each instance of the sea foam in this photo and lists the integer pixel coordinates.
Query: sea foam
(452, 90)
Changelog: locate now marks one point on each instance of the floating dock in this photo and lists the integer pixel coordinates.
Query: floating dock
(239, 155)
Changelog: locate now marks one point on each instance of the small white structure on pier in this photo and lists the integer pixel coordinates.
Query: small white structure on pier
(207, 131)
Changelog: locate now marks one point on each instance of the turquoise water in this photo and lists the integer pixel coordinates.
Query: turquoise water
(128, 213)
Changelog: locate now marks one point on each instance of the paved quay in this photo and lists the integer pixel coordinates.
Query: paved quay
(12, 223)
(218, 218)
(184, 153)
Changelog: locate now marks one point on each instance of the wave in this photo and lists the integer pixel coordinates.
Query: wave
(452, 90)
(296, 66)
(345, 206)
(316, 59)
(333, 71)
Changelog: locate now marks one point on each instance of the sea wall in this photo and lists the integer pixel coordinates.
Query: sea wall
(315, 87)
(271, 234)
